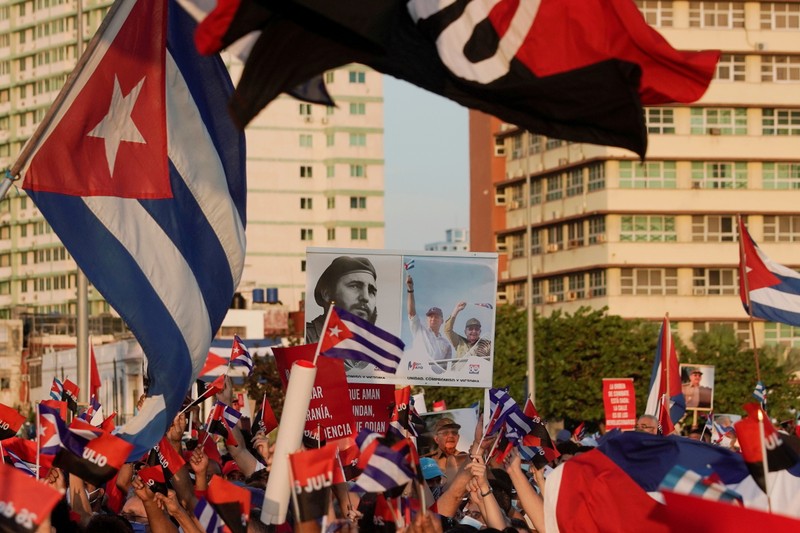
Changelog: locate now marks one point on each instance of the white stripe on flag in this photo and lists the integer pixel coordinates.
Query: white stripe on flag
(772, 297)
(369, 336)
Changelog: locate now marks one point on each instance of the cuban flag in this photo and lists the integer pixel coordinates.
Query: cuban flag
(665, 400)
(348, 336)
(768, 290)
(208, 517)
(57, 389)
(50, 429)
(760, 394)
(140, 172)
(239, 354)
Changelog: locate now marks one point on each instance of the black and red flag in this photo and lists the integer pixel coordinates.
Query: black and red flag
(231, 502)
(70, 395)
(154, 478)
(91, 453)
(265, 419)
(21, 453)
(10, 421)
(579, 70)
(222, 420)
(312, 479)
(167, 457)
(780, 455)
(26, 502)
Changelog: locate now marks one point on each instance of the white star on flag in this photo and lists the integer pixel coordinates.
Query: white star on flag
(117, 125)
(334, 331)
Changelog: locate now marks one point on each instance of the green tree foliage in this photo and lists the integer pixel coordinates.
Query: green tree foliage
(265, 379)
(735, 371)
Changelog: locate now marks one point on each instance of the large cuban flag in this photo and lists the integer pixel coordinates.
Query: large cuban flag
(768, 290)
(140, 172)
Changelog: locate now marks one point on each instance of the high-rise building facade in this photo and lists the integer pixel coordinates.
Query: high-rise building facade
(315, 174)
(594, 226)
(455, 240)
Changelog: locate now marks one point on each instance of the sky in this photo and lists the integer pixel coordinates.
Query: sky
(426, 166)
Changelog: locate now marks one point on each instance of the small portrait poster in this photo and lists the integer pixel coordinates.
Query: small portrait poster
(697, 385)
(440, 304)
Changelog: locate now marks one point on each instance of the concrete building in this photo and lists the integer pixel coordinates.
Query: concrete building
(10, 363)
(596, 227)
(455, 240)
(315, 174)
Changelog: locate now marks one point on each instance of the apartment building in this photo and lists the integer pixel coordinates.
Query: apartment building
(315, 174)
(594, 226)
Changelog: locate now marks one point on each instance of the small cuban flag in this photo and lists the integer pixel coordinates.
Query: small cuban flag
(760, 394)
(408, 265)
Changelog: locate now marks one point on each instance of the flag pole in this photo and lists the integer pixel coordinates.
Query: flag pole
(324, 330)
(746, 285)
(38, 439)
(764, 462)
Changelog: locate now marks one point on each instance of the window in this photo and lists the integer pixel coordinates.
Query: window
(536, 192)
(780, 16)
(554, 187)
(714, 281)
(597, 283)
(331, 202)
(358, 234)
(535, 144)
(575, 182)
(358, 108)
(329, 110)
(657, 13)
(516, 147)
(331, 234)
(555, 238)
(730, 68)
(358, 171)
(597, 177)
(536, 242)
(306, 171)
(555, 289)
(575, 234)
(537, 292)
(713, 228)
(647, 228)
(660, 120)
(305, 110)
(577, 286)
(649, 281)
(780, 121)
(329, 139)
(358, 139)
(23, 285)
(781, 228)
(358, 202)
(305, 140)
(306, 203)
(306, 234)
(553, 143)
(329, 76)
(648, 175)
(357, 76)
(302, 265)
(780, 69)
(517, 246)
(780, 175)
(725, 15)
(717, 175)
(718, 121)
(782, 334)
(597, 230)
(23, 230)
(330, 171)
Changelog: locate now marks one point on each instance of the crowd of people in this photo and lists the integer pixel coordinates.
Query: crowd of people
(462, 490)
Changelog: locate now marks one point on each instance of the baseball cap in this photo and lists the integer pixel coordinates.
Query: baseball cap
(473, 322)
(430, 469)
(445, 423)
(434, 311)
(229, 467)
(563, 435)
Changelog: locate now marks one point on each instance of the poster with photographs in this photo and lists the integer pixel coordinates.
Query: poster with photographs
(442, 305)
(697, 385)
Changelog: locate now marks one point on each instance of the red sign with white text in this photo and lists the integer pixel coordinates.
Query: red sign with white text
(619, 401)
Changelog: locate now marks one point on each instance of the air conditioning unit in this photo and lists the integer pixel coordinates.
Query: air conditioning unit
(500, 197)
(699, 291)
(553, 248)
(308, 120)
(572, 295)
(551, 298)
(714, 131)
(500, 244)
(499, 150)
(324, 120)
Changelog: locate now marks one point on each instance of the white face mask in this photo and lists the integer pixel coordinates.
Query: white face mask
(469, 521)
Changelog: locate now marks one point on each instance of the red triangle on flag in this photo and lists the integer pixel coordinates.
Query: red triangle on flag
(109, 136)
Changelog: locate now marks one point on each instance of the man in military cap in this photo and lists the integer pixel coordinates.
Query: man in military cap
(445, 435)
(351, 284)
(696, 396)
(471, 343)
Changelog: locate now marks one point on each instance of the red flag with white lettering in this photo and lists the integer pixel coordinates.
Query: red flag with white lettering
(312, 476)
(26, 502)
(10, 421)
